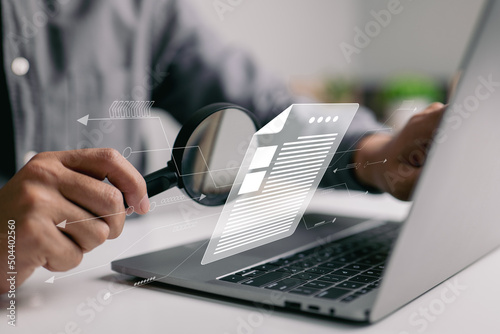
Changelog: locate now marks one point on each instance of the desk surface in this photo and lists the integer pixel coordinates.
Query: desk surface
(75, 303)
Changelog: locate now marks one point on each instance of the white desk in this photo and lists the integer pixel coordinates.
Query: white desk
(56, 308)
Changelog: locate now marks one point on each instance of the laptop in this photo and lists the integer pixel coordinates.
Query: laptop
(363, 270)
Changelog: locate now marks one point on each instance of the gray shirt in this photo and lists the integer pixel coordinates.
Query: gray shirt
(85, 54)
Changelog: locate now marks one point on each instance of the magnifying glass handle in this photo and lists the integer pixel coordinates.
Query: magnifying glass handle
(159, 181)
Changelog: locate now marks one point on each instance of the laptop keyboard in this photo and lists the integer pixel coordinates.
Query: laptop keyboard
(339, 270)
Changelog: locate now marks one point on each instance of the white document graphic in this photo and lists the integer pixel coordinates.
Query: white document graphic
(282, 168)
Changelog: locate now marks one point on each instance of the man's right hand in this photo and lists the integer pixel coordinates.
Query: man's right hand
(57, 186)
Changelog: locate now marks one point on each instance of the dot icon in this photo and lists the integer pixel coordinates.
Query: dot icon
(129, 210)
(311, 120)
(328, 119)
(127, 152)
(320, 119)
(336, 118)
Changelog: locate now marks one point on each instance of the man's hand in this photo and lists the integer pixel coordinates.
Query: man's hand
(405, 153)
(57, 186)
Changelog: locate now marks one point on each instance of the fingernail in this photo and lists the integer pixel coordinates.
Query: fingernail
(144, 204)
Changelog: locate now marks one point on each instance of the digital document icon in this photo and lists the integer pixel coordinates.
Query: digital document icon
(282, 168)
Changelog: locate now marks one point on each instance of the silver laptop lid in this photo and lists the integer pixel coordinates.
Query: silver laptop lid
(454, 219)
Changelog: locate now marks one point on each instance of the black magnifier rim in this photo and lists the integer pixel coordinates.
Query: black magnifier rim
(190, 126)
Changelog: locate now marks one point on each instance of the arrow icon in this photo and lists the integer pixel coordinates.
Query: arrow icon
(50, 280)
(202, 196)
(84, 120)
(62, 224)
(374, 163)
(350, 166)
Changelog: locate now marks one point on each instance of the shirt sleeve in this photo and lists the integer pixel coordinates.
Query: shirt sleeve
(202, 70)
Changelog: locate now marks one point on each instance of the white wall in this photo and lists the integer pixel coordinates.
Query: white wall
(428, 37)
(291, 37)
(302, 37)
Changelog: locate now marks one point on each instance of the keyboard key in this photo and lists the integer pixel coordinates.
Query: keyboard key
(304, 291)
(349, 298)
(280, 262)
(266, 267)
(233, 278)
(305, 276)
(266, 279)
(333, 293)
(304, 264)
(346, 258)
(285, 284)
(373, 272)
(363, 291)
(363, 279)
(318, 271)
(372, 286)
(369, 261)
(250, 273)
(350, 285)
(345, 272)
(356, 266)
(333, 278)
(318, 259)
(318, 285)
(243, 272)
(332, 265)
(291, 270)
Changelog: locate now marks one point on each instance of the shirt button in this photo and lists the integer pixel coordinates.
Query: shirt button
(20, 66)
(28, 155)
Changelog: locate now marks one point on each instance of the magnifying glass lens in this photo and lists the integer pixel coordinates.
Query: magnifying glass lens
(207, 154)
(213, 154)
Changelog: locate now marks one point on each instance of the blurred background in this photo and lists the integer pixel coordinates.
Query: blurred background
(389, 55)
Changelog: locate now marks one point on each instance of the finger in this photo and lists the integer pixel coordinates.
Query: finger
(409, 187)
(108, 163)
(433, 107)
(102, 200)
(416, 138)
(59, 252)
(82, 228)
(402, 185)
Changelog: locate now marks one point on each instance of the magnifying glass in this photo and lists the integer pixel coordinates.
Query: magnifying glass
(207, 154)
